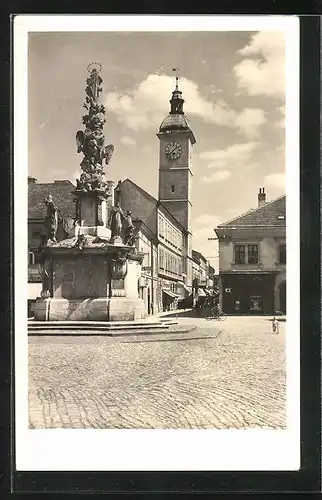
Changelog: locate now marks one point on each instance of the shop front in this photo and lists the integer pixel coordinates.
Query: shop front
(247, 293)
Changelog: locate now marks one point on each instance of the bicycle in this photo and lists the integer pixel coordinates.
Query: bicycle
(217, 315)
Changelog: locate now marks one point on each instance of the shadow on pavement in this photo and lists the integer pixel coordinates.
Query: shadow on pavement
(181, 339)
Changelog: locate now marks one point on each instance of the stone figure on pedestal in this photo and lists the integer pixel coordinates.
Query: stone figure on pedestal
(116, 223)
(51, 219)
(128, 229)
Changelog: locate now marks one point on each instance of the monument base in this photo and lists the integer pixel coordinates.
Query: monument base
(98, 309)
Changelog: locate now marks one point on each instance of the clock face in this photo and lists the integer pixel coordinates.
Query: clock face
(173, 150)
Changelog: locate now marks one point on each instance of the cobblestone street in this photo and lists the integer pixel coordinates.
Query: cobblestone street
(198, 375)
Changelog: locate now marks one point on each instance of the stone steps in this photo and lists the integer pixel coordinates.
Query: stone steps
(97, 327)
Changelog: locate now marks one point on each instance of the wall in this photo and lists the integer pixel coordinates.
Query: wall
(268, 255)
(142, 207)
(180, 179)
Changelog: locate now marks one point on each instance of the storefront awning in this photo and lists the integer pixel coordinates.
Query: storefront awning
(170, 294)
(181, 283)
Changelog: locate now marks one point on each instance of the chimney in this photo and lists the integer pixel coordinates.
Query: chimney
(32, 180)
(261, 197)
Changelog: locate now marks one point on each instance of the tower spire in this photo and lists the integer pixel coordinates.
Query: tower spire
(176, 101)
(177, 77)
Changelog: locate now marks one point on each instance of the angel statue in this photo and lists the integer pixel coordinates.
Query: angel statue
(93, 151)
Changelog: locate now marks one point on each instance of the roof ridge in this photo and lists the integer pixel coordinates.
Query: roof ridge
(251, 210)
(157, 202)
(140, 188)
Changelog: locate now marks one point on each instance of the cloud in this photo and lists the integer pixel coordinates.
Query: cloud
(128, 141)
(145, 106)
(203, 228)
(219, 176)
(281, 122)
(262, 71)
(237, 153)
(276, 180)
(250, 120)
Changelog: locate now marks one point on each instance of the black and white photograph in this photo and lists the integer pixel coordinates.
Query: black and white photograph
(157, 208)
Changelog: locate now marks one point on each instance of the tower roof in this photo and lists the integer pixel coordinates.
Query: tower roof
(176, 120)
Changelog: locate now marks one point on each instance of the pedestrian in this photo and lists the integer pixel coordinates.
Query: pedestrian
(275, 325)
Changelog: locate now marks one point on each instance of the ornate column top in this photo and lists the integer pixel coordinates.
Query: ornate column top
(91, 141)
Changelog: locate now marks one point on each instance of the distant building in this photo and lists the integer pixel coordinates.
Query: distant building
(200, 268)
(252, 259)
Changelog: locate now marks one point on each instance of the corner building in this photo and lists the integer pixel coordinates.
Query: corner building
(252, 259)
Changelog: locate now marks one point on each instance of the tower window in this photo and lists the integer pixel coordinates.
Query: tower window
(172, 188)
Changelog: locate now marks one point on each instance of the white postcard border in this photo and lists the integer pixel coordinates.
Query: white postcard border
(62, 449)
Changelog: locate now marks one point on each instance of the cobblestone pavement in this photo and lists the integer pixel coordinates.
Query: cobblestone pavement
(201, 375)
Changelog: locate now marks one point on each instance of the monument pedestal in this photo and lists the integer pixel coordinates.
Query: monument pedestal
(96, 281)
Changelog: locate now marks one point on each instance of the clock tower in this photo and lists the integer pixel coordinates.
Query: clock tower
(175, 170)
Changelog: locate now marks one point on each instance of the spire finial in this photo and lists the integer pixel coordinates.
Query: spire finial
(177, 77)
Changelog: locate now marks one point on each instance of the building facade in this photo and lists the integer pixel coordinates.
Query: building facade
(146, 242)
(252, 259)
(169, 238)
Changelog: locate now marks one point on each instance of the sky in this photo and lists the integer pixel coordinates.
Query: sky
(233, 84)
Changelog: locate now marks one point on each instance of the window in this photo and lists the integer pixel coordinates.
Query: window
(172, 188)
(282, 253)
(239, 254)
(252, 254)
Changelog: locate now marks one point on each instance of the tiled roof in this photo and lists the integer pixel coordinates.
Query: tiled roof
(61, 192)
(273, 213)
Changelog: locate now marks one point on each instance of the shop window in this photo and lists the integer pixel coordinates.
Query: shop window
(239, 254)
(282, 253)
(252, 254)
